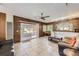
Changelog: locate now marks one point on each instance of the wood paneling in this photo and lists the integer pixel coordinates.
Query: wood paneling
(16, 30)
(18, 20)
(41, 30)
(28, 20)
(2, 27)
(74, 22)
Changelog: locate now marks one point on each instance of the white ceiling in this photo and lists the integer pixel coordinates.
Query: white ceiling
(56, 11)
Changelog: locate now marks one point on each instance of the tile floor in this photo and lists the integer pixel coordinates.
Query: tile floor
(36, 47)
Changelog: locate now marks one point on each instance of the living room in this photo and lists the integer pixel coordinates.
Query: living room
(41, 29)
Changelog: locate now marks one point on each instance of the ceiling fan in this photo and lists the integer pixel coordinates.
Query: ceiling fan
(43, 17)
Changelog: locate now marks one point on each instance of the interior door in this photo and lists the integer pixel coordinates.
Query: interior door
(2, 27)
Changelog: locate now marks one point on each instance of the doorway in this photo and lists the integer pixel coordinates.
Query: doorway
(27, 31)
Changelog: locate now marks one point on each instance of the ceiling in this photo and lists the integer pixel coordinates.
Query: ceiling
(56, 11)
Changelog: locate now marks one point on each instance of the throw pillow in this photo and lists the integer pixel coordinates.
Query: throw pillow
(72, 41)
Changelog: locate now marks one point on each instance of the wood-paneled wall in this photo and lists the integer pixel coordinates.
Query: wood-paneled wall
(41, 30)
(18, 20)
(2, 27)
(74, 22)
(16, 30)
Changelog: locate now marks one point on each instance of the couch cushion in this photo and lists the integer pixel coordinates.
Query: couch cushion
(70, 40)
(66, 39)
(77, 42)
(71, 52)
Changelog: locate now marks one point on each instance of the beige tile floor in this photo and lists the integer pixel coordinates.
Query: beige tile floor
(36, 47)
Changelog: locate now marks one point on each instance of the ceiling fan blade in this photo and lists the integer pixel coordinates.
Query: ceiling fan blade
(44, 19)
(46, 16)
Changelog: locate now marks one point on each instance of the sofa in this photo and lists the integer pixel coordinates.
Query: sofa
(54, 37)
(57, 36)
(6, 48)
(65, 49)
(1, 44)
